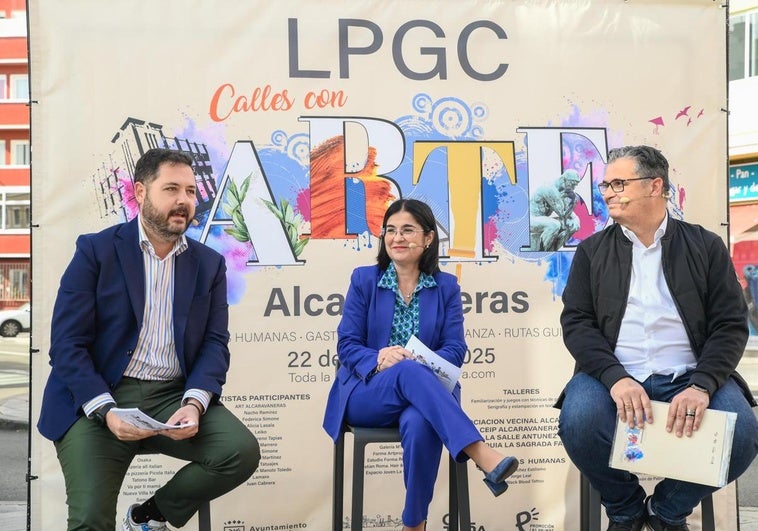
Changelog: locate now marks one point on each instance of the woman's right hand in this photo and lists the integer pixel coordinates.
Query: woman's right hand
(389, 356)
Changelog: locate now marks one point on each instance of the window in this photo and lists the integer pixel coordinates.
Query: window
(2, 152)
(19, 87)
(15, 209)
(19, 281)
(19, 216)
(743, 46)
(14, 281)
(3, 87)
(20, 154)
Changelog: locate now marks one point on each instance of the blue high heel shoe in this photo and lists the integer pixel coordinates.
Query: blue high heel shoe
(495, 479)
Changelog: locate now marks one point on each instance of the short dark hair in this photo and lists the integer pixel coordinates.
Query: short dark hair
(649, 162)
(424, 216)
(148, 164)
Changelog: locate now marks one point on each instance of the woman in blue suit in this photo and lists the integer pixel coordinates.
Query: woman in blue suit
(377, 385)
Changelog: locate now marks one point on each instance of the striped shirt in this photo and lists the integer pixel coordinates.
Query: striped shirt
(154, 355)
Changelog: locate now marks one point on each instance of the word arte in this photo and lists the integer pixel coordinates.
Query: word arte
(463, 174)
(297, 303)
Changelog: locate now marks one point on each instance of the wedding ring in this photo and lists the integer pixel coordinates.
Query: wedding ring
(690, 413)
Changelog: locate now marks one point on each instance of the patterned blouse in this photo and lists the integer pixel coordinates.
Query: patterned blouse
(405, 319)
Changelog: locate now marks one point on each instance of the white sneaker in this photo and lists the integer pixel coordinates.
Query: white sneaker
(152, 525)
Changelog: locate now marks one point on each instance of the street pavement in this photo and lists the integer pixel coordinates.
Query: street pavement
(14, 414)
(14, 423)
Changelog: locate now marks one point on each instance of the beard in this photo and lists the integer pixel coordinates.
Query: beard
(161, 224)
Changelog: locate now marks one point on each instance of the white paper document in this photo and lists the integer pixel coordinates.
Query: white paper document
(446, 372)
(702, 458)
(136, 417)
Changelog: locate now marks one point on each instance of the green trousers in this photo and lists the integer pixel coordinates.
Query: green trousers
(222, 455)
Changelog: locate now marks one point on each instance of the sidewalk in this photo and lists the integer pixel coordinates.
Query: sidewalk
(13, 516)
(14, 410)
(14, 413)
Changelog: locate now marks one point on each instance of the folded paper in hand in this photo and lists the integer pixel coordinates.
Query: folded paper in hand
(446, 372)
(702, 458)
(136, 417)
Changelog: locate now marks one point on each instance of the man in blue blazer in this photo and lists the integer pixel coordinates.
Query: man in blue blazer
(140, 320)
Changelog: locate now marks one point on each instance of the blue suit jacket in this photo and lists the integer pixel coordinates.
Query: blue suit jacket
(366, 325)
(98, 315)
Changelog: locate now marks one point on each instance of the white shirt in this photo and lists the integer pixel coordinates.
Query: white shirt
(652, 338)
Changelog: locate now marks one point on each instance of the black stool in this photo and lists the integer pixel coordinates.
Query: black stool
(459, 512)
(203, 512)
(591, 509)
(204, 517)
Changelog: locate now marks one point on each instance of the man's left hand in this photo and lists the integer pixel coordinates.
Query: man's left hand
(187, 414)
(686, 412)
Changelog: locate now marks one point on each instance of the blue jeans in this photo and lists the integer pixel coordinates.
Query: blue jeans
(588, 404)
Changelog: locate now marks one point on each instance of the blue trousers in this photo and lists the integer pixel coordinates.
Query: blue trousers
(586, 427)
(409, 395)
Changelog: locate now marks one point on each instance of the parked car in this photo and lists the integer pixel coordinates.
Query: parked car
(14, 321)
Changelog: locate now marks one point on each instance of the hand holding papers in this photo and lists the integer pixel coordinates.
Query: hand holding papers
(702, 458)
(447, 373)
(137, 418)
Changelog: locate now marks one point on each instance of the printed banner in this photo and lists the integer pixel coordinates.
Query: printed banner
(305, 120)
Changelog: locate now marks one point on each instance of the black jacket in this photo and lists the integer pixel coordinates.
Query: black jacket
(703, 284)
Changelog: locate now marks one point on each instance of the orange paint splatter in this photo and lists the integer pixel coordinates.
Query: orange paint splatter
(328, 212)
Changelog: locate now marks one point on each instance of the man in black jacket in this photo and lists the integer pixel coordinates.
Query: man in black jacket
(653, 310)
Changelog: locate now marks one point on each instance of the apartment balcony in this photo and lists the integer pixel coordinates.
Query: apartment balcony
(15, 176)
(15, 245)
(13, 34)
(14, 114)
(13, 49)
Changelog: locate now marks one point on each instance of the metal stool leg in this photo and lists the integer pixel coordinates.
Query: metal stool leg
(338, 483)
(452, 511)
(204, 517)
(706, 514)
(459, 496)
(590, 509)
(356, 514)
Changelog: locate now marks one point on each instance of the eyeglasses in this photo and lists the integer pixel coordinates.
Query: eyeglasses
(617, 185)
(405, 232)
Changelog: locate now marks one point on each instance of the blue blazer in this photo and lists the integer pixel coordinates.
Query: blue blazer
(366, 325)
(98, 315)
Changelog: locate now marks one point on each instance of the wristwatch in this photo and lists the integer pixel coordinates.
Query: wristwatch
(99, 414)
